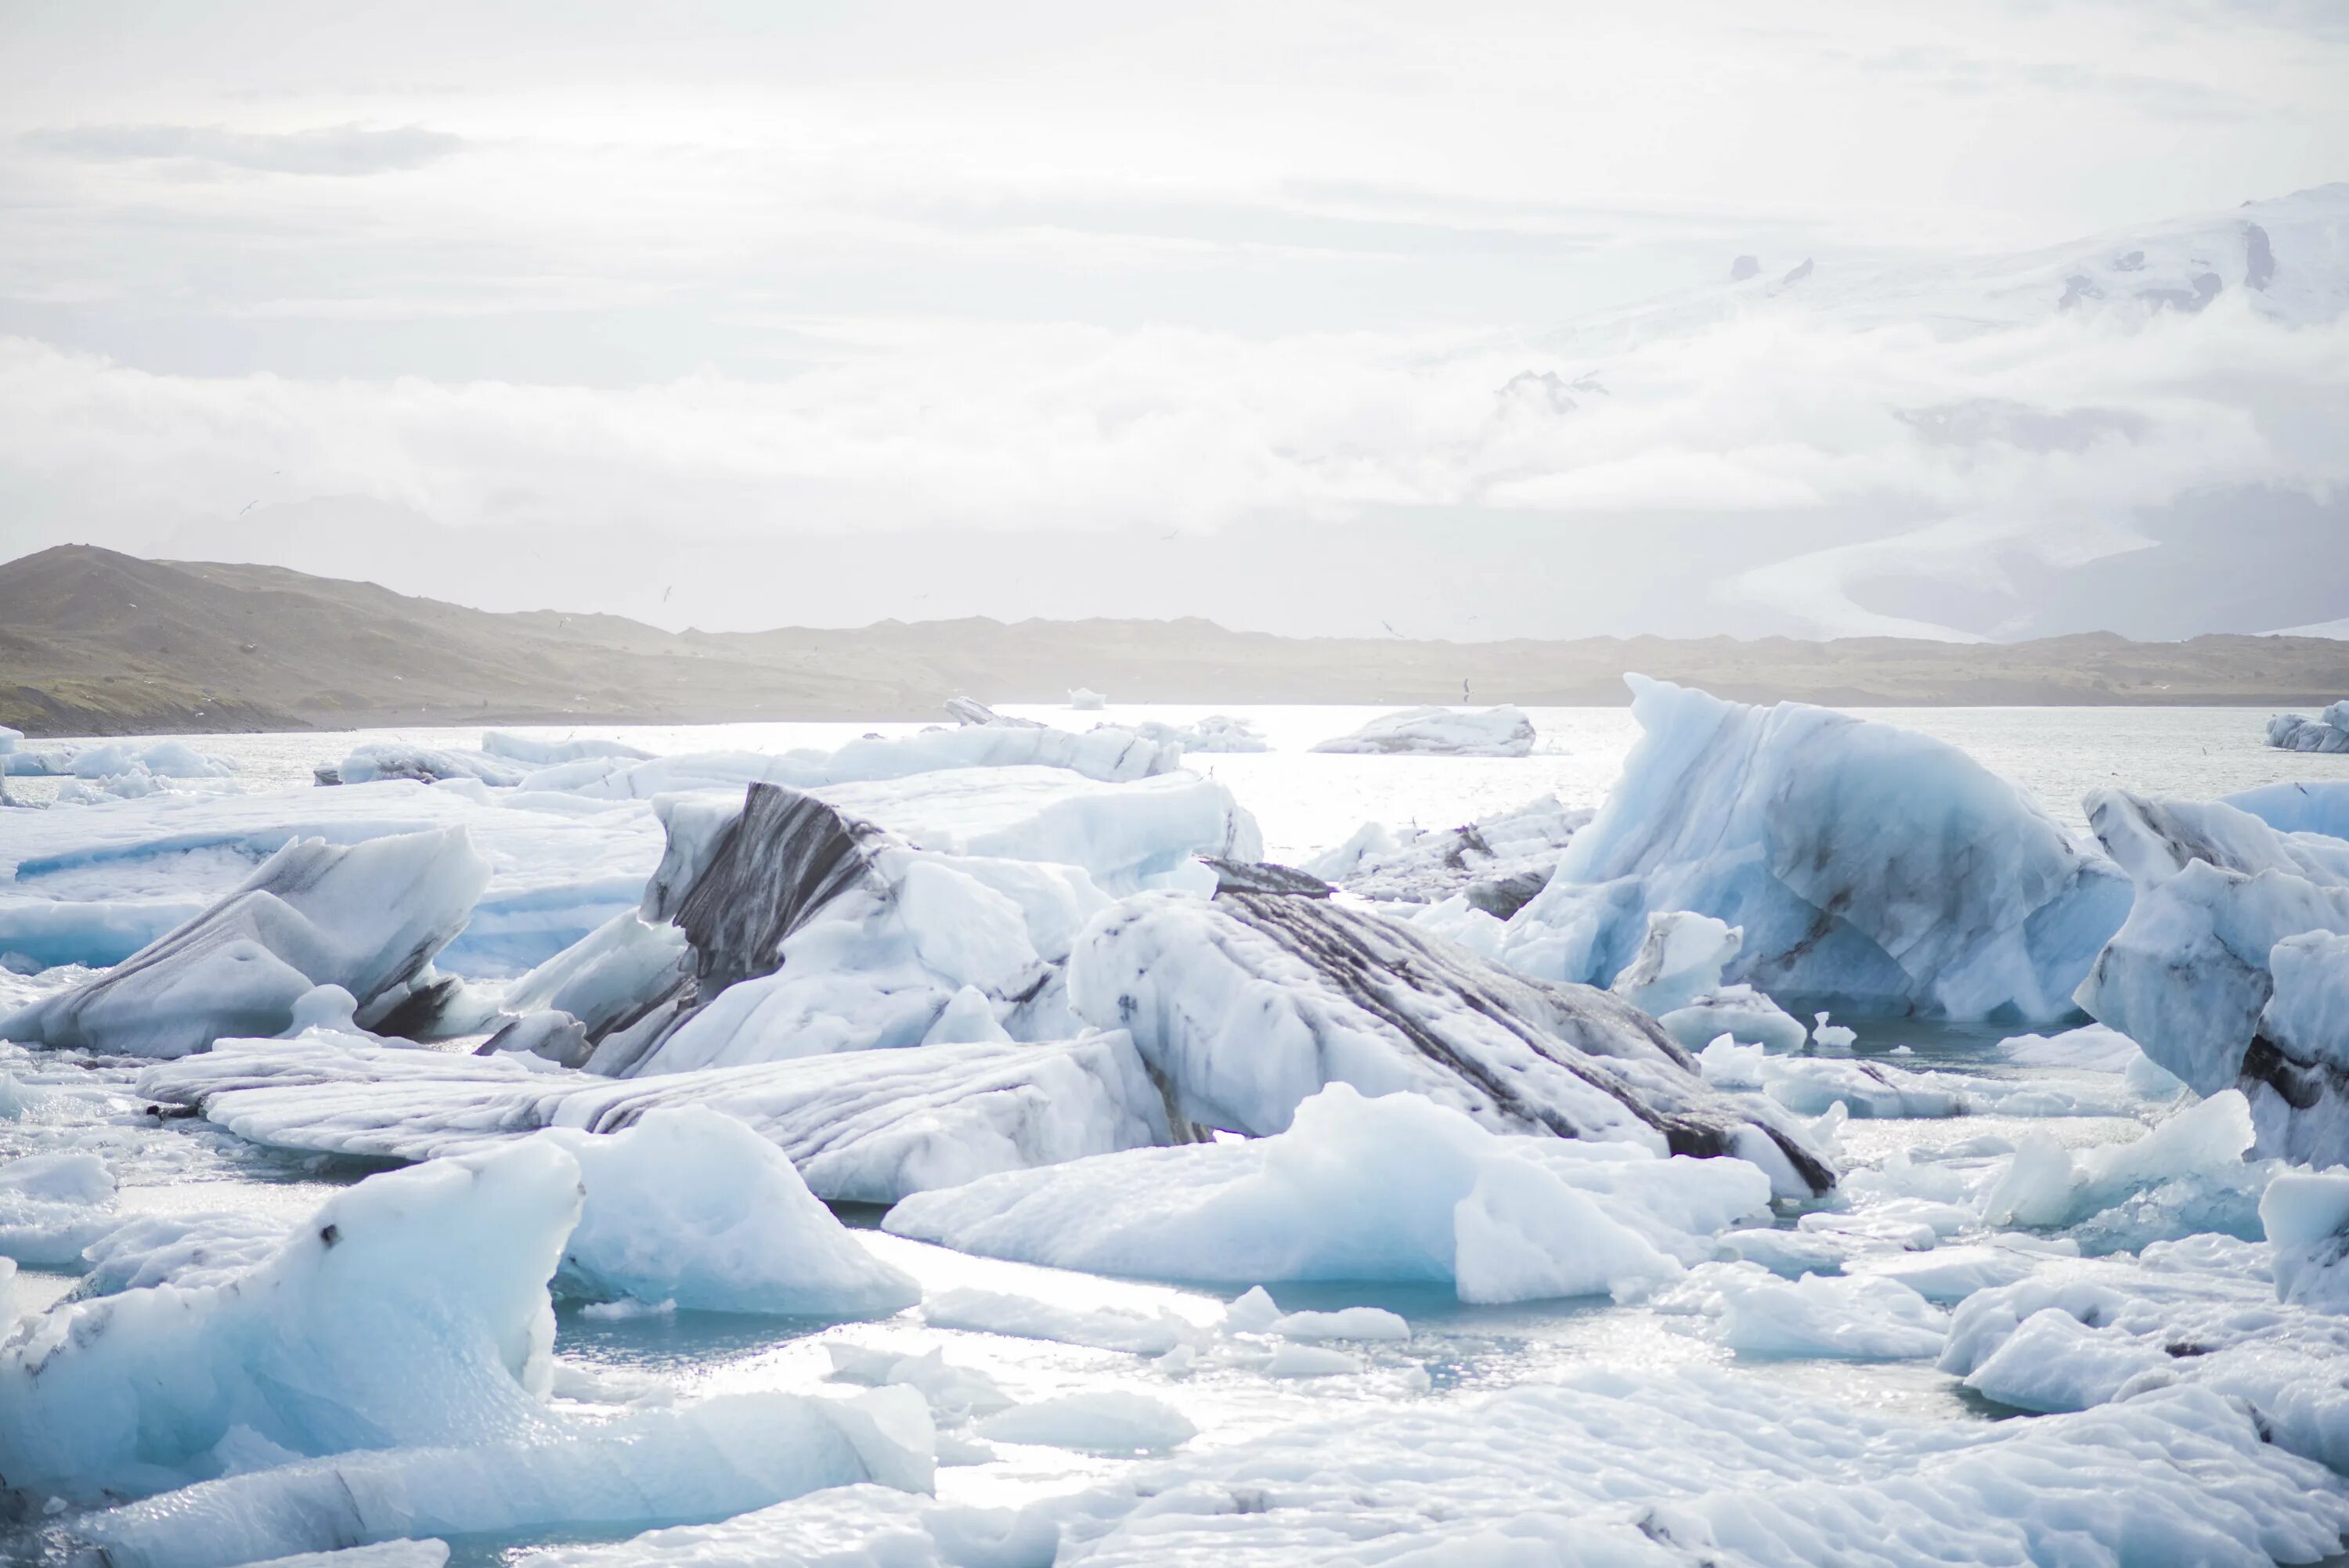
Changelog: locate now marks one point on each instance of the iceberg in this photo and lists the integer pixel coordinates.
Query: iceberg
(1502, 732)
(412, 1309)
(866, 1126)
(365, 918)
(691, 1206)
(1869, 867)
(2328, 731)
(1246, 1004)
(2305, 1214)
(540, 752)
(2118, 1332)
(1218, 732)
(381, 760)
(53, 1206)
(1392, 1188)
(800, 928)
(1700, 1465)
(1085, 699)
(2231, 971)
(1493, 864)
(113, 758)
(2312, 808)
(1108, 755)
(710, 1460)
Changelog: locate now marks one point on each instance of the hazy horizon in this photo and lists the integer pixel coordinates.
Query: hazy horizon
(1311, 320)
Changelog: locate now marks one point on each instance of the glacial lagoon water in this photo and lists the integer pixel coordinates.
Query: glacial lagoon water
(1304, 802)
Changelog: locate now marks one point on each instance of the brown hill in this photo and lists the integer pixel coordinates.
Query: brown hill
(93, 642)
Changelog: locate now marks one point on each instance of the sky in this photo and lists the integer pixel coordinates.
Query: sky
(746, 314)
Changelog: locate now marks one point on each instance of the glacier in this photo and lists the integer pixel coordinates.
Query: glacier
(1869, 867)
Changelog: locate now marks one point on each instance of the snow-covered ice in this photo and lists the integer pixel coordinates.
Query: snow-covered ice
(1502, 732)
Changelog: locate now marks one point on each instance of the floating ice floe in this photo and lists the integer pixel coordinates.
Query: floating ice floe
(1869, 867)
(1248, 1004)
(1666, 1468)
(111, 758)
(2188, 1173)
(378, 760)
(1866, 1317)
(408, 1319)
(1502, 732)
(691, 1206)
(1101, 1421)
(1491, 866)
(1395, 1188)
(2305, 1214)
(2198, 1314)
(1217, 732)
(1810, 1086)
(1107, 756)
(2328, 731)
(865, 1127)
(412, 1309)
(1084, 700)
(53, 1206)
(363, 920)
(2233, 970)
(1676, 977)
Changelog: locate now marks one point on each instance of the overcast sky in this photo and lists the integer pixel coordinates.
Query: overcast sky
(755, 270)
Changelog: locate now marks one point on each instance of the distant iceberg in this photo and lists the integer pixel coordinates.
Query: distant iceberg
(2329, 731)
(1502, 732)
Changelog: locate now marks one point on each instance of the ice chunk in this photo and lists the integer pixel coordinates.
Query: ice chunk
(1364, 1322)
(2306, 1216)
(2083, 1333)
(969, 710)
(808, 929)
(1247, 1004)
(1217, 732)
(380, 760)
(388, 1554)
(1107, 755)
(1101, 1421)
(1084, 700)
(366, 917)
(202, 1248)
(1869, 866)
(411, 1308)
(703, 1461)
(1027, 1317)
(1633, 1467)
(2224, 971)
(53, 1206)
(1502, 732)
(2198, 1151)
(2313, 807)
(1741, 1013)
(691, 1206)
(1865, 1318)
(540, 752)
(1495, 864)
(865, 1127)
(1392, 1188)
(1680, 960)
(162, 758)
(2298, 732)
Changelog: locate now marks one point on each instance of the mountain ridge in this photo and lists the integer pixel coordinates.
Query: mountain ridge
(96, 642)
